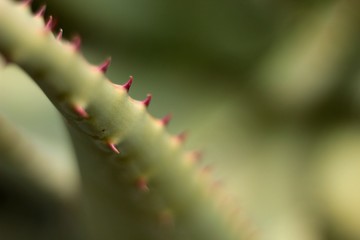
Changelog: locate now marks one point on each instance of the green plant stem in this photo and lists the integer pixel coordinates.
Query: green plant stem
(151, 190)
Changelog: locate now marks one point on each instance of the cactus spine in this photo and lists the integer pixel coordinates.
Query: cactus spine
(138, 180)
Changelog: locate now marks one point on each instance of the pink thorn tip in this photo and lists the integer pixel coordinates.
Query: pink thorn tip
(76, 43)
(81, 111)
(26, 2)
(41, 11)
(142, 184)
(182, 137)
(147, 100)
(165, 120)
(50, 24)
(105, 65)
(197, 155)
(128, 84)
(113, 147)
(207, 169)
(59, 35)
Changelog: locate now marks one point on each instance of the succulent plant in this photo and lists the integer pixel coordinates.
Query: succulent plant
(268, 90)
(137, 179)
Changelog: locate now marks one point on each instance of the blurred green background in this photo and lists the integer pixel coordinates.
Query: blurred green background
(268, 89)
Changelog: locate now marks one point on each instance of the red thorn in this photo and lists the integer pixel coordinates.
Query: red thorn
(50, 24)
(165, 120)
(147, 100)
(128, 84)
(59, 35)
(194, 157)
(26, 2)
(105, 65)
(207, 169)
(142, 184)
(182, 137)
(41, 11)
(113, 147)
(197, 155)
(81, 111)
(76, 43)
